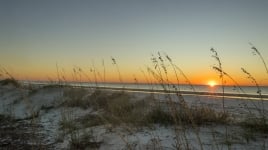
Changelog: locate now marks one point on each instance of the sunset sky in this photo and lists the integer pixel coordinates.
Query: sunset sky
(37, 35)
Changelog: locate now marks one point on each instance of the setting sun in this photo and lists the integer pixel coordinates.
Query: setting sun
(212, 83)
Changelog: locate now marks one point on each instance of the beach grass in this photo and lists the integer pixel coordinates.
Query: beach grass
(115, 109)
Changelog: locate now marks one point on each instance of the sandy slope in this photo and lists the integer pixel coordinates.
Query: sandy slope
(42, 107)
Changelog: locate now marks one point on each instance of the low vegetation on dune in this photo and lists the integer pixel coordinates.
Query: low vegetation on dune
(10, 81)
(80, 116)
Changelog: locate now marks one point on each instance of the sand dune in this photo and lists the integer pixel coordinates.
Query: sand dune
(44, 108)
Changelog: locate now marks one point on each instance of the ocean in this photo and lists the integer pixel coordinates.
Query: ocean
(251, 90)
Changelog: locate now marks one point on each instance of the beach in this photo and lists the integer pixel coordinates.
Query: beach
(50, 119)
(133, 75)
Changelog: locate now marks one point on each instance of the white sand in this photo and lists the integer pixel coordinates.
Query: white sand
(20, 104)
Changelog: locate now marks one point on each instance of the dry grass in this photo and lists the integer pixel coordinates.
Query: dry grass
(10, 81)
(84, 141)
(255, 124)
(119, 108)
(75, 97)
(21, 134)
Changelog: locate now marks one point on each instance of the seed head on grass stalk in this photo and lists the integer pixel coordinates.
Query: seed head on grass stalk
(162, 63)
(117, 68)
(82, 72)
(257, 52)
(136, 81)
(170, 61)
(157, 68)
(78, 71)
(159, 71)
(188, 81)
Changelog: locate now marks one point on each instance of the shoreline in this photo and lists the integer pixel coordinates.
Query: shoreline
(183, 92)
(237, 95)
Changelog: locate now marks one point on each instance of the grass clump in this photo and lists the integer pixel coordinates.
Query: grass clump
(10, 81)
(120, 109)
(75, 97)
(5, 119)
(91, 120)
(98, 100)
(186, 116)
(255, 124)
(67, 122)
(159, 116)
(68, 125)
(117, 108)
(119, 105)
(205, 115)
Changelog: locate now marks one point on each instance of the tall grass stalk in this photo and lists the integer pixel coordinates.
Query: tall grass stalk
(104, 71)
(59, 82)
(157, 74)
(175, 69)
(93, 70)
(221, 75)
(160, 68)
(149, 82)
(85, 75)
(236, 85)
(254, 81)
(216, 56)
(256, 51)
(118, 71)
(5, 72)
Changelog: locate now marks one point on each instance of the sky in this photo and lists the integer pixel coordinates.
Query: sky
(42, 39)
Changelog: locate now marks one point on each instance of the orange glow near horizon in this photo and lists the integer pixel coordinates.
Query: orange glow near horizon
(210, 80)
(207, 77)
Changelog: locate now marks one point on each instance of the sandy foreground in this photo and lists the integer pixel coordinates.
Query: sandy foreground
(38, 112)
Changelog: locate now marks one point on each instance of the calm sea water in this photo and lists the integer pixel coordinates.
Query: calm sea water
(197, 88)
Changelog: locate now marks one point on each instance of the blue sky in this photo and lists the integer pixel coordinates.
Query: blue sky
(35, 35)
